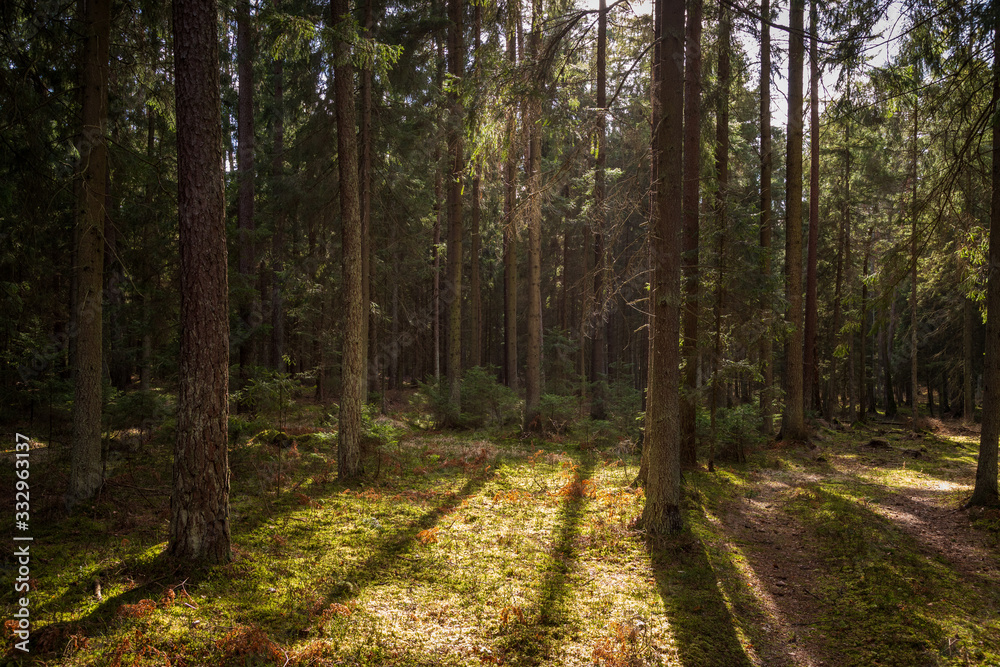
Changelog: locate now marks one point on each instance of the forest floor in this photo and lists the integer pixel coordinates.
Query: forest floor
(472, 548)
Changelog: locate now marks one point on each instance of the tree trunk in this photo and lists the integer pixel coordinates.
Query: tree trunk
(721, 210)
(199, 503)
(475, 286)
(809, 352)
(599, 342)
(661, 513)
(365, 206)
(968, 398)
(510, 234)
(456, 150)
(353, 361)
(245, 208)
(690, 232)
(278, 238)
(794, 419)
(886, 351)
(86, 472)
(985, 491)
(767, 344)
(533, 383)
(915, 411)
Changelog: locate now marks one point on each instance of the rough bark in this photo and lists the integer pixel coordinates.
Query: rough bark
(720, 206)
(278, 237)
(352, 368)
(86, 472)
(475, 286)
(245, 178)
(599, 341)
(661, 513)
(510, 236)
(767, 344)
(690, 232)
(809, 355)
(533, 367)
(914, 404)
(199, 503)
(456, 151)
(968, 398)
(794, 419)
(365, 205)
(985, 491)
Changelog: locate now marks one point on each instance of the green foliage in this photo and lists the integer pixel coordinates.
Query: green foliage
(134, 409)
(556, 413)
(485, 402)
(267, 393)
(738, 431)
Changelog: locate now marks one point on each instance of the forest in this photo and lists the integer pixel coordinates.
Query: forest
(503, 332)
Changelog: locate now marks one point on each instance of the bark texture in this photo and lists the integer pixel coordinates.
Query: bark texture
(794, 418)
(87, 471)
(199, 503)
(661, 513)
(353, 362)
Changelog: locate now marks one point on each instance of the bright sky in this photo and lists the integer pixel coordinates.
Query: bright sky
(891, 28)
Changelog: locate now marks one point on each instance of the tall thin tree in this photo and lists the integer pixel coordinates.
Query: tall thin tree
(533, 366)
(985, 491)
(661, 513)
(199, 502)
(456, 151)
(246, 179)
(353, 390)
(809, 355)
(599, 342)
(87, 473)
(794, 418)
(690, 232)
(767, 343)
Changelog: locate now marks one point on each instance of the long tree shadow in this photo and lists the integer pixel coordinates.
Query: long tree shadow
(386, 552)
(532, 641)
(702, 625)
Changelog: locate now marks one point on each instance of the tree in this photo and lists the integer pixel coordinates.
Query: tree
(661, 513)
(456, 149)
(87, 475)
(533, 368)
(599, 345)
(246, 177)
(199, 503)
(794, 418)
(809, 354)
(689, 258)
(985, 491)
(353, 389)
(766, 348)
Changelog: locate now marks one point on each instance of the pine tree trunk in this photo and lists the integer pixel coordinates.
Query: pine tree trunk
(246, 177)
(721, 212)
(456, 150)
(915, 411)
(794, 419)
(199, 503)
(599, 343)
(661, 513)
(278, 238)
(968, 398)
(533, 370)
(352, 393)
(809, 353)
(767, 344)
(86, 472)
(985, 491)
(365, 206)
(475, 286)
(690, 232)
(510, 232)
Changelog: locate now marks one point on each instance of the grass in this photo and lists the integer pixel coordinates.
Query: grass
(482, 548)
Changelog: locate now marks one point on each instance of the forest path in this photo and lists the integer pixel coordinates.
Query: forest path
(805, 534)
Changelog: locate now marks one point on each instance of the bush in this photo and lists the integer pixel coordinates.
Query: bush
(738, 432)
(556, 413)
(484, 401)
(268, 393)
